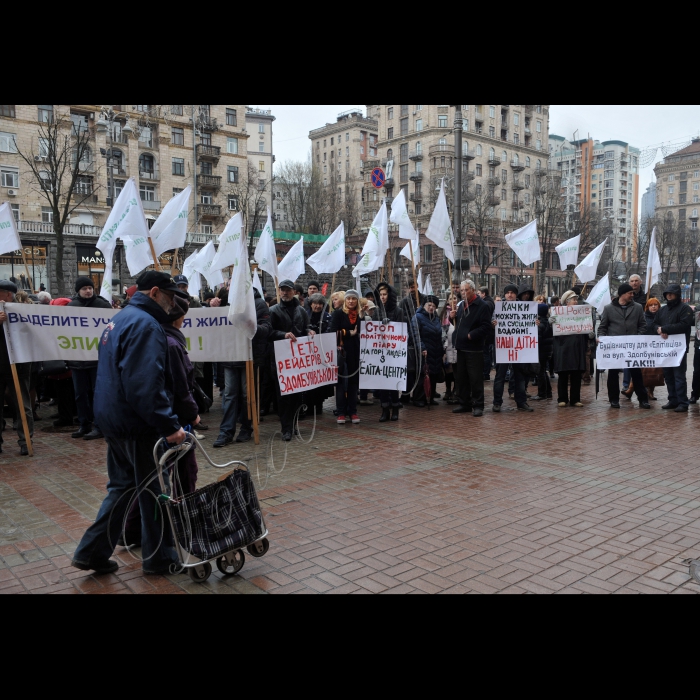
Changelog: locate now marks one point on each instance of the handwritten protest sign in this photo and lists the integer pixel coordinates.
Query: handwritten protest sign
(306, 364)
(383, 356)
(41, 333)
(516, 332)
(630, 351)
(571, 320)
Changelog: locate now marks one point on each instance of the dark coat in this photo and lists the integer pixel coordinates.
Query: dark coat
(676, 318)
(320, 323)
(350, 344)
(622, 320)
(651, 320)
(94, 302)
(569, 352)
(181, 380)
(475, 321)
(288, 317)
(131, 393)
(523, 289)
(545, 337)
(428, 335)
(408, 305)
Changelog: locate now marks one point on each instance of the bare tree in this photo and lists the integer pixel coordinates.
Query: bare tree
(61, 166)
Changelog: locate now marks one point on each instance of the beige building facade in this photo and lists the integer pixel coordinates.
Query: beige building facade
(163, 147)
(260, 152)
(678, 186)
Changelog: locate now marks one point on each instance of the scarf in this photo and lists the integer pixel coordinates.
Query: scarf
(352, 316)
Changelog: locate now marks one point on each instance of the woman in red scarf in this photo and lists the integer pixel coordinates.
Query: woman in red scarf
(346, 325)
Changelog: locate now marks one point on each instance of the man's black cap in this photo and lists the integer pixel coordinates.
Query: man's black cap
(162, 280)
(287, 283)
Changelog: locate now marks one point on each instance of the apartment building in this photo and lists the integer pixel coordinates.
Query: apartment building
(260, 151)
(678, 185)
(601, 178)
(164, 147)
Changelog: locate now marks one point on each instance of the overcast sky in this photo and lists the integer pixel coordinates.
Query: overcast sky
(639, 125)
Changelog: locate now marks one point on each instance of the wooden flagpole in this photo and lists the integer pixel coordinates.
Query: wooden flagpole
(26, 269)
(249, 388)
(172, 266)
(415, 279)
(255, 386)
(649, 285)
(153, 253)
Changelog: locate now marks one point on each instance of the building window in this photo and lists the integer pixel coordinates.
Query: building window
(178, 166)
(419, 125)
(390, 113)
(83, 186)
(9, 145)
(231, 118)
(177, 190)
(403, 123)
(9, 178)
(46, 215)
(232, 145)
(205, 197)
(261, 147)
(232, 173)
(479, 170)
(233, 203)
(390, 133)
(403, 173)
(45, 113)
(261, 166)
(206, 228)
(147, 164)
(261, 130)
(442, 121)
(177, 136)
(148, 193)
(427, 254)
(176, 110)
(206, 168)
(7, 111)
(492, 111)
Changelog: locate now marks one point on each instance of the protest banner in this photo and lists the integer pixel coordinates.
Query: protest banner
(307, 363)
(630, 351)
(41, 333)
(516, 332)
(383, 356)
(571, 320)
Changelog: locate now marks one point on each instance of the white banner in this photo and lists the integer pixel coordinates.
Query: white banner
(516, 332)
(630, 351)
(571, 320)
(41, 333)
(383, 356)
(306, 364)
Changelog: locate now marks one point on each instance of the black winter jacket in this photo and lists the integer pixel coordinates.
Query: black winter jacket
(676, 318)
(428, 335)
(288, 317)
(94, 302)
(349, 343)
(181, 380)
(472, 326)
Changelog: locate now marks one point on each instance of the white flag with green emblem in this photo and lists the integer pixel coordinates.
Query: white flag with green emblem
(203, 263)
(399, 216)
(600, 294)
(406, 251)
(440, 229)
(376, 245)
(292, 265)
(170, 229)
(9, 238)
(241, 297)
(525, 243)
(228, 244)
(265, 253)
(568, 252)
(188, 270)
(138, 254)
(330, 257)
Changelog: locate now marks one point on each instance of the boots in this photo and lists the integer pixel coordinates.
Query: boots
(394, 413)
(385, 415)
(629, 392)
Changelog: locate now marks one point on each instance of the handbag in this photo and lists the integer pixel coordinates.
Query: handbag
(50, 368)
(204, 403)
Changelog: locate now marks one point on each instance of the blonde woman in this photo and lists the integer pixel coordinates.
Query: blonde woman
(337, 300)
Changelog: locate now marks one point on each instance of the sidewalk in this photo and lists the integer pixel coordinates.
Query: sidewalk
(589, 500)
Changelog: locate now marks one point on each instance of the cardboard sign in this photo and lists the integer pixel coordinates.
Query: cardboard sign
(642, 351)
(307, 363)
(516, 332)
(571, 320)
(383, 356)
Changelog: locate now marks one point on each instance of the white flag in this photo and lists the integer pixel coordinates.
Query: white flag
(265, 253)
(292, 265)
(653, 263)
(586, 271)
(138, 254)
(428, 286)
(377, 242)
(568, 252)
(9, 238)
(193, 278)
(419, 281)
(170, 229)
(257, 284)
(229, 250)
(440, 229)
(203, 264)
(367, 263)
(600, 294)
(525, 243)
(406, 252)
(241, 298)
(125, 220)
(399, 215)
(330, 257)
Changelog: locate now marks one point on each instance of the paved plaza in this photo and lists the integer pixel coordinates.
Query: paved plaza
(589, 500)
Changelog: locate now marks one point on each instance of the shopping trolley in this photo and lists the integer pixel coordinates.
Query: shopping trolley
(215, 523)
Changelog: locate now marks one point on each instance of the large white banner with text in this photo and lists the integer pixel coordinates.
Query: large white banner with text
(306, 363)
(630, 351)
(516, 332)
(383, 356)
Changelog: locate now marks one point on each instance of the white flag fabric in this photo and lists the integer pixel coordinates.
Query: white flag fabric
(419, 281)
(440, 229)
(193, 278)
(203, 264)
(138, 254)
(586, 271)
(653, 263)
(292, 265)
(170, 229)
(265, 253)
(330, 257)
(399, 215)
(377, 242)
(125, 220)
(9, 238)
(257, 284)
(406, 252)
(526, 243)
(600, 294)
(428, 286)
(241, 298)
(229, 250)
(568, 252)
(697, 262)
(367, 263)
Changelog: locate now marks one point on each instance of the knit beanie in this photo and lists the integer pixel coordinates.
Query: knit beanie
(83, 282)
(510, 288)
(623, 289)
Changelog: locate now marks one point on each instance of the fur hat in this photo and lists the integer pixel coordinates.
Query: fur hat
(566, 296)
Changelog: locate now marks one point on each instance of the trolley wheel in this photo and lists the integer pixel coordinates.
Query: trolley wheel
(200, 573)
(259, 548)
(228, 569)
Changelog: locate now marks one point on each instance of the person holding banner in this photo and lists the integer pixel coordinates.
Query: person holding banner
(428, 334)
(7, 294)
(388, 310)
(695, 395)
(569, 354)
(653, 376)
(319, 323)
(346, 326)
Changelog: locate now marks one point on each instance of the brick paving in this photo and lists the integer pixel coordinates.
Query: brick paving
(587, 500)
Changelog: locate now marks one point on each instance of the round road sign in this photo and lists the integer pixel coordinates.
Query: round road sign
(378, 178)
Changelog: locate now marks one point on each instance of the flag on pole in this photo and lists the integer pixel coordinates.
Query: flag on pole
(419, 281)
(257, 284)
(292, 265)
(9, 238)
(125, 220)
(600, 294)
(241, 297)
(525, 243)
(138, 254)
(568, 252)
(330, 257)
(428, 286)
(170, 229)
(440, 229)
(653, 263)
(406, 252)
(265, 253)
(399, 215)
(203, 263)
(195, 281)
(229, 249)
(586, 271)
(376, 245)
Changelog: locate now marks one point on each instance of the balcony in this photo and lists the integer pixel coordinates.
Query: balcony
(415, 197)
(518, 185)
(468, 155)
(517, 165)
(518, 205)
(468, 176)
(416, 177)
(693, 216)
(479, 116)
(150, 205)
(43, 228)
(149, 174)
(210, 181)
(202, 238)
(494, 160)
(208, 152)
(493, 199)
(442, 148)
(416, 155)
(371, 164)
(209, 210)
(505, 108)
(493, 181)
(389, 182)
(208, 123)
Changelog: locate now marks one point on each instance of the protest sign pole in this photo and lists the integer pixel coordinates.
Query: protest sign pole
(26, 269)
(415, 279)
(172, 266)
(153, 253)
(649, 283)
(256, 425)
(249, 388)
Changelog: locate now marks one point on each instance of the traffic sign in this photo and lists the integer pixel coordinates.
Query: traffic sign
(378, 178)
